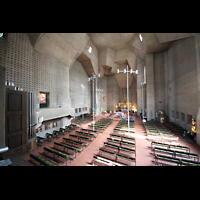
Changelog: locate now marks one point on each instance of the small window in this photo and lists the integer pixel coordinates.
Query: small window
(189, 119)
(90, 50)
(183, 117)
(1, 35)
(172, 114)
(177, 115)
(140, 36)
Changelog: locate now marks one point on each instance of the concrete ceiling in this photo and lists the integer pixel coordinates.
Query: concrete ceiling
(110, 51)
(115, 41)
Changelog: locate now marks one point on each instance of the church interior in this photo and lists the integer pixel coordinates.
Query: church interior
(99, 99)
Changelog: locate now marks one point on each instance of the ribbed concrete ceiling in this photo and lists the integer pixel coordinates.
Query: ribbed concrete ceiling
(111, 51)
(115, 41)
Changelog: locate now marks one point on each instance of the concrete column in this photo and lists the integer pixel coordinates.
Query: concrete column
(95, 95)
(150, 89)
(140, 79)
(2, 105)
(197, 41)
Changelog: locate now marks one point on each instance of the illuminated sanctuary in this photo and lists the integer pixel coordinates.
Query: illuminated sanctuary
(124, 104)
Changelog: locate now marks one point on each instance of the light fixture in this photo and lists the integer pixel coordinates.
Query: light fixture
(142, 84)
(90, 50)
(126, 71)
(140, 36)
(83, 87)
(89, 79)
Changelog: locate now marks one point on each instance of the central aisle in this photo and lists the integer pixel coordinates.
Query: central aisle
(87, 154)
(143, 156)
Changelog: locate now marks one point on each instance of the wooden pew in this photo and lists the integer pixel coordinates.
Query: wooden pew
(121, 142)
(80, 138)
(106, 161)
(175, 153)
(170, 146)
(41, 160)
(75, 142)
(58, 153)
(178, 161)
(65, 146)
(119, 148)
(117, 155)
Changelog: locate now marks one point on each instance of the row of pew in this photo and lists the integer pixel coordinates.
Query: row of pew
(165, 151)
(171, 126)
(166, 154)
(67, 150)
(86, 119)
(118, 150)
(122, 127)
(155, 131)
(101, 124)
(55, 134)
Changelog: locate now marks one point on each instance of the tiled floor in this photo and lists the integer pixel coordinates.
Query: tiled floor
(143, 156)
(143, 150)
(86, 155)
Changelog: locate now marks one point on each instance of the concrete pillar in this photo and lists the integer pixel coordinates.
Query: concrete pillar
(95, 93)
(140, 79)
(150, 89)
(2, 105)
(197, 41)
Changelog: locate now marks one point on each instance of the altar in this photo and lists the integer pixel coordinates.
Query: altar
(124, 104)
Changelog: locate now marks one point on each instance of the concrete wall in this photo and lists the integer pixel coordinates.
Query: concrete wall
(102, 102)
(182, 80)
(35, 72)
(78, 76)
(159, 81)
(172, 82)
(2, 106)
(113, 93)
(150, 87)
(133, 94)
(140, 79)
(197, 40)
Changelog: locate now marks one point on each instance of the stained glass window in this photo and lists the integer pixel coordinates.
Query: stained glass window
(1, 35)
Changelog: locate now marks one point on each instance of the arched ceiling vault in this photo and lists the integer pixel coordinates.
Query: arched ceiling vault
(110, 51)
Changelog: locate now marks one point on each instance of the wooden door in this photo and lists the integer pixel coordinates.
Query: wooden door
(16, 118)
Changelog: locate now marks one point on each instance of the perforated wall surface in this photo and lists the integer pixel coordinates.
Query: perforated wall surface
(32, 71)
(77, 77)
